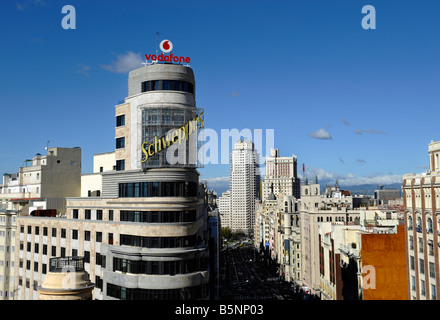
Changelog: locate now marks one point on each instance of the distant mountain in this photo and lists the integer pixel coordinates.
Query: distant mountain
(368, 189)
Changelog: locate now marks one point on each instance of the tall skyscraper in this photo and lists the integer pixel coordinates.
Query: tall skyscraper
(142, 231)
(243, 185)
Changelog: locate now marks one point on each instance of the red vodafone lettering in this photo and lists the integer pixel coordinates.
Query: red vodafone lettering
(168, 58)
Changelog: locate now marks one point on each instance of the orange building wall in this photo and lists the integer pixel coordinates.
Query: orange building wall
(387, 254)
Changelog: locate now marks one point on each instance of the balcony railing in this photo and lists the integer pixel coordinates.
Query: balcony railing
(66, 264)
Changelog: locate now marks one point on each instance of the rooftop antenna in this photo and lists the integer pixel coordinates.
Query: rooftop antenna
(47, 145)
(157, 45)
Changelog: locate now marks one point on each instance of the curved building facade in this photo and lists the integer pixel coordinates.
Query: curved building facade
(163, 255)
(143, 229)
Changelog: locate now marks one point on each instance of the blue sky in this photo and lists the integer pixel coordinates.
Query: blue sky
(306, 69)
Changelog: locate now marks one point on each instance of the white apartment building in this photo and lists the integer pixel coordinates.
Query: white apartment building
(243, 186)
(41, 185)
(7, 253)
(317, 208)
(46, 178)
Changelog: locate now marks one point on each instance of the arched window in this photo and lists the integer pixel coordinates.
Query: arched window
(419, 224)
(429, 225)
(410, 223)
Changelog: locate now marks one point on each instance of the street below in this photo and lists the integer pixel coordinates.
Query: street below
(249, 276)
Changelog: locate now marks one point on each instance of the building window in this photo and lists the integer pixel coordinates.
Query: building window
(433, 293)
(98, 236)
(75, 234)
(63, 233)
(175, 85)
(422, 287)
(75, 214)
(87, 256)
(120, 120)
(44, 231)
(158, 216)
(432, 270)
(158, 189)
(429, 225)
(110, 215)
(421, 266)
(157, 242)
(98, 214)
(120, 165)
(88, 214)
(87, 235)
(120, 143)
(430, 247)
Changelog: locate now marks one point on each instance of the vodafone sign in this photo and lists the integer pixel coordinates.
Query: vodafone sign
(166, 46)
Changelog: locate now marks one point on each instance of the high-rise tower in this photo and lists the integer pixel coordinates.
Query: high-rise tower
(243, 186)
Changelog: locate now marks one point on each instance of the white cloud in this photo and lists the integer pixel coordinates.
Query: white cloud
(321, 134)
(125, 63)
(83, 69)
(22, 5)
(385, 179)
(235, 94)
(221, 183)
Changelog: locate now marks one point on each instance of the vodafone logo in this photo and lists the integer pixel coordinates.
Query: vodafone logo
(166, 46)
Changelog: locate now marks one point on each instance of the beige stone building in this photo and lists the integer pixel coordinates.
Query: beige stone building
(7, 253)
(317, 208)
(40, 186)
(421, 196)
(281, 175)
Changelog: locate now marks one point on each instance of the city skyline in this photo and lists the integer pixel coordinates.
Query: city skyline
(340, 98)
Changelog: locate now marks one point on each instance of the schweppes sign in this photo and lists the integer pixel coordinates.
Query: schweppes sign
(177, 135)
